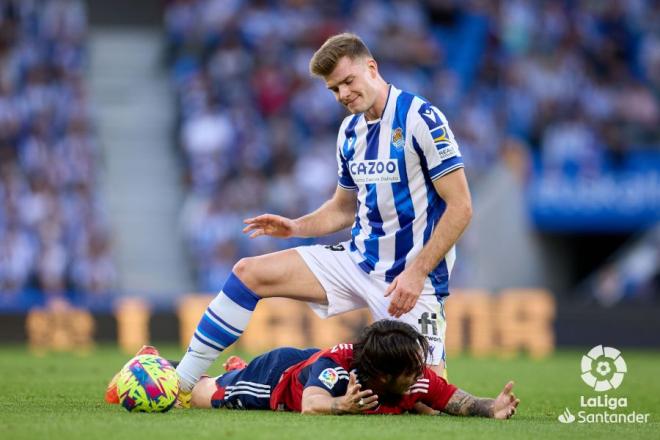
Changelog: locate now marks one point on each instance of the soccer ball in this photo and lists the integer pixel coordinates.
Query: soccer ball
(147, 383)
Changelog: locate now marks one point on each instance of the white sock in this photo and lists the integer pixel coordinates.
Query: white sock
(223, 323)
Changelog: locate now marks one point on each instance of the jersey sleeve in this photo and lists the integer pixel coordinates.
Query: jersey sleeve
(435, 143)
(329, 375)
(345, 178)
(440, 391)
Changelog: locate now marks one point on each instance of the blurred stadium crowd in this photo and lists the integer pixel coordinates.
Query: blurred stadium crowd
(53, 235)
(573, 84)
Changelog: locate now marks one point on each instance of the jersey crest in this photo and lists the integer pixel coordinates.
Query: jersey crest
(397, 138)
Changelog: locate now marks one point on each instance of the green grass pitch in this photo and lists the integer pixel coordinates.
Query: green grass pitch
(61, 396)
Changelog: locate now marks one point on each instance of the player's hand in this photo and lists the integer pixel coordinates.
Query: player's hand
(269, 224)
(355, 400)
(505, 404)
(405, 290)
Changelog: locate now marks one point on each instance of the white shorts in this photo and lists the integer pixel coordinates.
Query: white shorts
(348, 288)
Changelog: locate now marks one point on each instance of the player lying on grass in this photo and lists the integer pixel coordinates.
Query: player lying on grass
(384, 372)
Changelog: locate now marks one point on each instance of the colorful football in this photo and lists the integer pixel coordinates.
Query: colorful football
(147, 383)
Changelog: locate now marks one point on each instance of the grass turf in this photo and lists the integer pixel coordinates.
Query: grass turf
(61, 396)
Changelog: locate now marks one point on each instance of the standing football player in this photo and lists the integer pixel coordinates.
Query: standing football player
(402, 188)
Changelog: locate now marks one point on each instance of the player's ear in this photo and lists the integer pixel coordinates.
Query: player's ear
(372, 66)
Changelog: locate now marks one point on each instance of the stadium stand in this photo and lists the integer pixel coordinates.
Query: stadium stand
(572, 86)
(54, 240)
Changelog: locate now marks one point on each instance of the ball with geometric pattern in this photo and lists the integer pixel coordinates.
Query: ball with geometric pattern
(147, 383)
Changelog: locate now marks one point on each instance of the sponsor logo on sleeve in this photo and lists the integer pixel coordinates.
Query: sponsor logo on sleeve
(430, 116)
(329, 377)
(447, 152)
(440, 135)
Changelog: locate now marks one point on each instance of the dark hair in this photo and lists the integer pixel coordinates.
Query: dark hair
(389, 347)
(325, 59)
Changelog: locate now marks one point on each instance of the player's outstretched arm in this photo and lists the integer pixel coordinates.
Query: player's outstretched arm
(334, 215)
(316, 400)
(502, 407)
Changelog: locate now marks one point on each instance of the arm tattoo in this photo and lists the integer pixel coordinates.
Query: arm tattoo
(465, 404)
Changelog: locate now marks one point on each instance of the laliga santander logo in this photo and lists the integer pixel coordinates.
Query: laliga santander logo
(603, 368)
(566, 417)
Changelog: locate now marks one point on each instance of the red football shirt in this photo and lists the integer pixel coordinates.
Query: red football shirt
(328, 369)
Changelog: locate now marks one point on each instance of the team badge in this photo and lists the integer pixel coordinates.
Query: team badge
(397, 138)
(329, 377)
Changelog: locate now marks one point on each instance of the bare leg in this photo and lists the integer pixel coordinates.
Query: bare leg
(280, 274)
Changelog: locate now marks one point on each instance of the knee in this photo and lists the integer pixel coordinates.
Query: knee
(244, 269)
(203, 393)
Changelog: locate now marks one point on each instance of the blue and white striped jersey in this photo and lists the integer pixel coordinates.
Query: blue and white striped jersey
(392, 163)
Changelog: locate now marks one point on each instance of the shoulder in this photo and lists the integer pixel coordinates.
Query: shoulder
(410, 103)
(328, 375)
(342, 353)
(421, 114)
(416, 112)
(331, 367)
(344, 123)
(429, 116)
(348, 124)
(416, 102)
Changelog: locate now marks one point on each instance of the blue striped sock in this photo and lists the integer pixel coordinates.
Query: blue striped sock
(221, 325)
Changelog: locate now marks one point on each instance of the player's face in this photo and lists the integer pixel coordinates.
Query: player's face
(391, 389)
(353, 82)
(402, 383)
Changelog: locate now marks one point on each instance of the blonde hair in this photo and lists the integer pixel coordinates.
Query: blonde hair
(325, 59)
